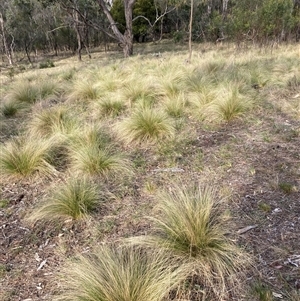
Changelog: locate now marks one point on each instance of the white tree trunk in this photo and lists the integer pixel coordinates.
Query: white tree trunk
(6, 49)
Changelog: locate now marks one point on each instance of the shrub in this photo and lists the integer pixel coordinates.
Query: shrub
(46, 64)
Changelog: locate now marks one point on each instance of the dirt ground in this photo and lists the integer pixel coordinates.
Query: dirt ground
(255, 161)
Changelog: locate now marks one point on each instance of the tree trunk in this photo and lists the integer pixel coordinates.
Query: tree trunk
(126, 40)
(190, 31)
(6, 49)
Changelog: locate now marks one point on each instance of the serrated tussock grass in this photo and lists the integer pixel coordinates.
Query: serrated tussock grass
(83, 90)
(48, 88)
(120, 273)
(175, 106)
(228, 105)
(146, 126)
(134, 92)
(75, 199)
(193, 226)
(109, 107)
(51, 121)
(92, 154)
(9, 109)
(23, 157)
(24, 92)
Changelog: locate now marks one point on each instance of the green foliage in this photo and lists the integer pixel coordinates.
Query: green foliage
(114, 274)
(74, 199)
(286, 187)
(262, 292)
(261, 21)
(47, 64)
(143, 8)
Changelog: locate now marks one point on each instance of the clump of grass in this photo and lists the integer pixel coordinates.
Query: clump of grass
(47, 88)
(228, 105)
(143, 91)
(146, 125)
(83, 91)
(92, 154)
(193, 227)
(214, 66)
(110, 107)
(56, 120)
(175, 106)
(9, 109)
(171, 80)
(114, 274)
(24, 157)
(24, 92)
(264, 207)
(92, 160)
(262, 292)
(74, 199)
(286, 187)
(69, 74)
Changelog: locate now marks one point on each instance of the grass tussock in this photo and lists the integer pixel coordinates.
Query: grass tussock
(144, 92)
(193, 226)
(75, 199)
(114, 274)
(24, 92)
(92, 154)
(228, 105)
(56, 120)
(108, 107)
(9, 109)
(83, 90)
(146, 126)
(175, 107)
(22, 157)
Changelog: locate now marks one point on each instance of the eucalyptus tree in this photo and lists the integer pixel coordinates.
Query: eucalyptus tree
(7, 48)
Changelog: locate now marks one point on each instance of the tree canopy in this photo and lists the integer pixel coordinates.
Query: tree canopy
(31, 26)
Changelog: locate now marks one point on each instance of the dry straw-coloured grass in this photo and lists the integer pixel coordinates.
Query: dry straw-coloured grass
(75, 199)
(92, 153)
(146, 126)
(193, 226)
(24, 157)
(83, 90)
(124, 273)
(53, 121)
